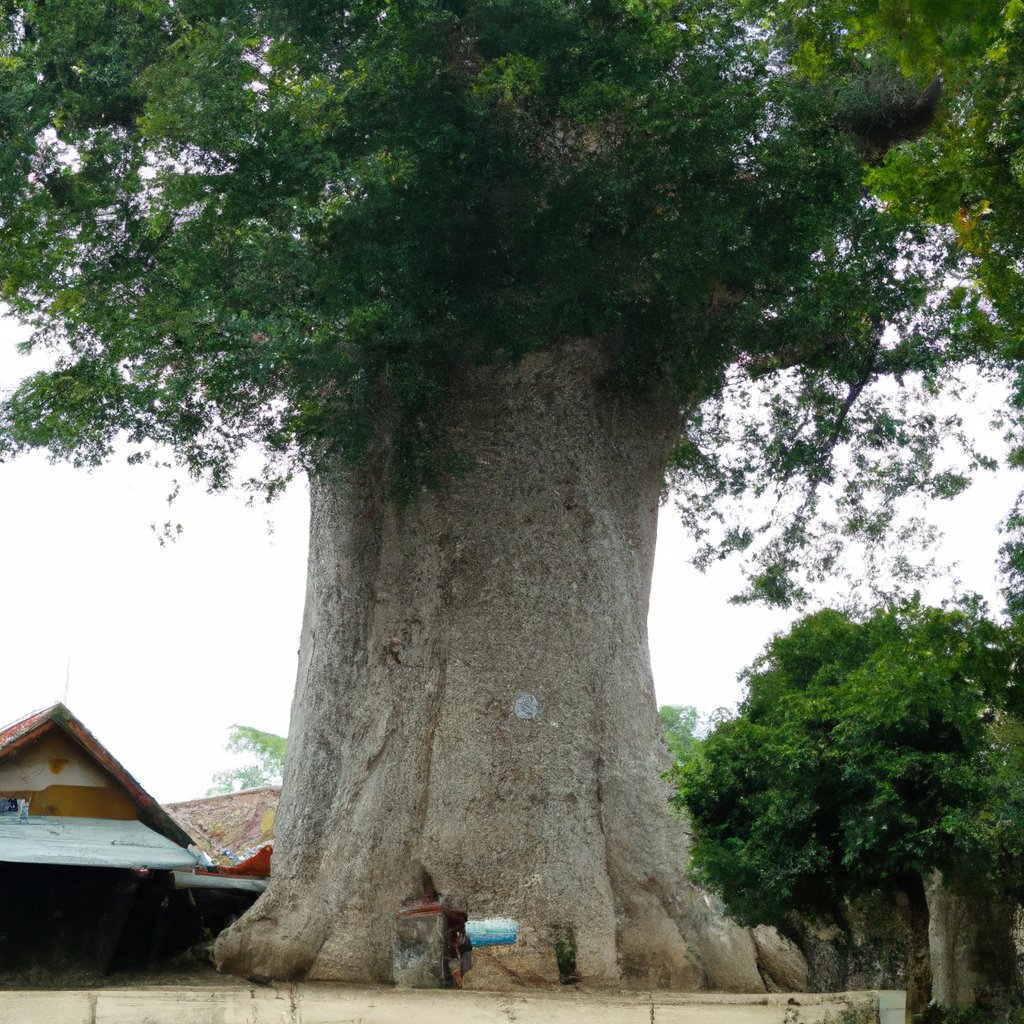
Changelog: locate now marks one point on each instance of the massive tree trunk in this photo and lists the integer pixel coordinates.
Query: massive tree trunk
(475, 710)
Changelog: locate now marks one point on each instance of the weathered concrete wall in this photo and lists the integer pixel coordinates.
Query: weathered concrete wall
(335, 1004)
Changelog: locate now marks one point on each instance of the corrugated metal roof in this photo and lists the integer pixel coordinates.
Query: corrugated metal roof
(88, 842)
(30, 728)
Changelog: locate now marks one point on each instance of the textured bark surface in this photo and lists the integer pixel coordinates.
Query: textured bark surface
(970, 938)
(913, 906)
(475, 710)
(780, 960)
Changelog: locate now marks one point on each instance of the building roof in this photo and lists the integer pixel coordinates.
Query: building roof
(93, 842)
(31, 728)
(238, 822)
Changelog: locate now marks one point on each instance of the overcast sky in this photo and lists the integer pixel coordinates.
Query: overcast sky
(159, 650)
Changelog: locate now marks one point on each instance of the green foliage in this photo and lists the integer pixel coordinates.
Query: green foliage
(683, 727)
(868, 752)
(966, 173)
(565, 956)
(290, 224)
(679, 725)
(970, 1015)
(1012, 559)
(266, 768)
(949, 158)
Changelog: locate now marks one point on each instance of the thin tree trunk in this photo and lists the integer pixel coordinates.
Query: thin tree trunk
(475, 710)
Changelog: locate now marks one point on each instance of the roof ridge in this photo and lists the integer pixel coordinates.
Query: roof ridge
(60, 716)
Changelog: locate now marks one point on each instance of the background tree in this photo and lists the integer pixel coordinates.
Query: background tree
(266, 768)
(868, 753)
(683, 727)
(488, 273)
(679, 727)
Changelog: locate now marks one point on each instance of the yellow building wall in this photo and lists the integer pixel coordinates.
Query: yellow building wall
(58, 778)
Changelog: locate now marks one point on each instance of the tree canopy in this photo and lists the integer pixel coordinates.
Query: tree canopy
(266, 767)
(867, 753)
(287, 223)
(966, 173)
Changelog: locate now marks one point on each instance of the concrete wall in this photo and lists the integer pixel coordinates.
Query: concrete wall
(335, 1004)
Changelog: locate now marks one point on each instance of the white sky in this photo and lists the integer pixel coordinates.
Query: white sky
(162, 649)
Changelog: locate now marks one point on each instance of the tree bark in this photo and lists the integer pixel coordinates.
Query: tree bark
(475, 710)
(919, 972)
(971, 941)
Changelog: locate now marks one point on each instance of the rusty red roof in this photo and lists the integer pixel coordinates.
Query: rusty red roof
(32, 727)
(12, 733)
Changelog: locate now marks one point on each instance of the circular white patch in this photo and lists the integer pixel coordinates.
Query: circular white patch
(526, 706)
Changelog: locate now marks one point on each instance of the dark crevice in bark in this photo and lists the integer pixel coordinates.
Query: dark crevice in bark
(378, 756)
(428, 750)
(565, 955)
(438, 662)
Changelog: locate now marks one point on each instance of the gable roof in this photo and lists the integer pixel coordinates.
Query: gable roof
(31, 728)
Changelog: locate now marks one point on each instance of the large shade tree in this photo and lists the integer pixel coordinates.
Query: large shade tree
(487, 272)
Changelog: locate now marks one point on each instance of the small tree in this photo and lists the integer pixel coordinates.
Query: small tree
(267, 768)
(868, 753)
